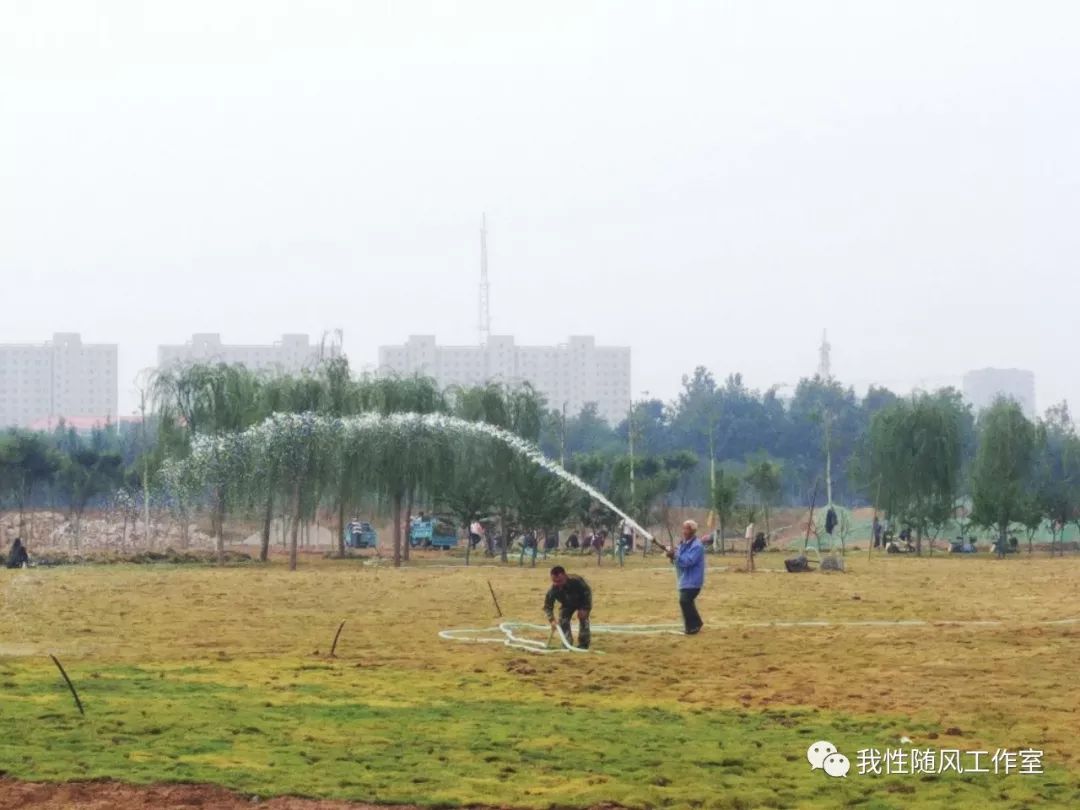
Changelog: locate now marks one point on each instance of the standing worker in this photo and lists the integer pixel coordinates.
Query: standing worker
(689, 560)
(574, 596)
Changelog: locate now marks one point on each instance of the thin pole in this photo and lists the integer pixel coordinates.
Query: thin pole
(337, 635)
(494, 598)
(71, 686)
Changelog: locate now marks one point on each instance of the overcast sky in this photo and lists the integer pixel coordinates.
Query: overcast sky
(710, 182)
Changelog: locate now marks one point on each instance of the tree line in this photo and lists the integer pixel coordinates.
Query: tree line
(926, 460)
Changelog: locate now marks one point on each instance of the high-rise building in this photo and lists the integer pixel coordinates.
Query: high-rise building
(63, 377)
(290, 355)
(982, 387)
(575, 373)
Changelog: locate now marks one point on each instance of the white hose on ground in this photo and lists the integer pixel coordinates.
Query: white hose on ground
(507, 632)
(507, 635)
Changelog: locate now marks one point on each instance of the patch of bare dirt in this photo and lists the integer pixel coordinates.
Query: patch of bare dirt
(103, 795)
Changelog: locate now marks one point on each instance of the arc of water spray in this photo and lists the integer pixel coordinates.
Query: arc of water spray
(206, 446)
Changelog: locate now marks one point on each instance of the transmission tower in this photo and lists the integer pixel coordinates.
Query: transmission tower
(824, 368)
(484, 323)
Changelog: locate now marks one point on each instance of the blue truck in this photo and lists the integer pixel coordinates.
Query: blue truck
(361, 534)
(432, 532)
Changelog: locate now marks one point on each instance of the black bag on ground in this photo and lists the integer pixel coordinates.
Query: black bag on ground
(795, 565)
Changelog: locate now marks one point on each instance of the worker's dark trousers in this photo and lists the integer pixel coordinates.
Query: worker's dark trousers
(584, 636)
(691, 618)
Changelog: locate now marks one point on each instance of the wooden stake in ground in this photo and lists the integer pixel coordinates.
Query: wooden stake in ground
(337, 635)
(495, 599)
(71, 686)
(810, 522)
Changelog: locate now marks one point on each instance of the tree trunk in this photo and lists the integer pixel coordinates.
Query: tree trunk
(146, 502)
(295, 528)
(22, 511)
(505, 538)
(268, 522)
(408, 524)
(468, 540)
(341, 526)
(219, 525)
(828, 459)
(397, 529)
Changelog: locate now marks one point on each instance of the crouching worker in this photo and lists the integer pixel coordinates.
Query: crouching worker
(17, 556)
(574, 596)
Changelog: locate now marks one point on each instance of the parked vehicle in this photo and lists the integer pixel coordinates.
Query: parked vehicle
(361, 534)
(432, 532)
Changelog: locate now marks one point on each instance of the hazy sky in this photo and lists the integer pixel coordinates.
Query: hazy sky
(711, 183)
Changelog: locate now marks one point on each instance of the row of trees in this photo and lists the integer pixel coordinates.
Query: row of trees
(929, 466)
(298, 466)
(62, 467)
(923, 460)
(819, 421)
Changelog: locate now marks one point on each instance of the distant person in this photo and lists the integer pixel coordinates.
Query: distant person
(574, 596)
(551, 541)
(759, 542)
(572, 541)
(689, 560)
(598, 544)
(626, 536)
(905, 538)
(876, 530)
(528, 546)
(475, 534)
(17, 556)
(587, 545)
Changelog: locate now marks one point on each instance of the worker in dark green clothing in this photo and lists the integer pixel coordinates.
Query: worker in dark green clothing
(574, 596)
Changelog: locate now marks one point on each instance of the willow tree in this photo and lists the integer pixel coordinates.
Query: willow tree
(212, 400)
(406, 463)
(342, 396)
(494, 405)
(914, 458)
(467, 492)
(1002, 477)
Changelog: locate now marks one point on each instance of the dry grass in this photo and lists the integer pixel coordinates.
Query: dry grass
(175, 655)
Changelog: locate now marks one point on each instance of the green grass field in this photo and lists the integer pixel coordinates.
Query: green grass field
(222, 676)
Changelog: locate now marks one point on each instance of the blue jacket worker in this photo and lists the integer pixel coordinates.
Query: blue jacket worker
(689, 560)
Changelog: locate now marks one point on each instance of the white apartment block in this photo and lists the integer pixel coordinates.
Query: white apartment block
(575, 373)
(63, 377)
(291, 355)
(982, 387)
